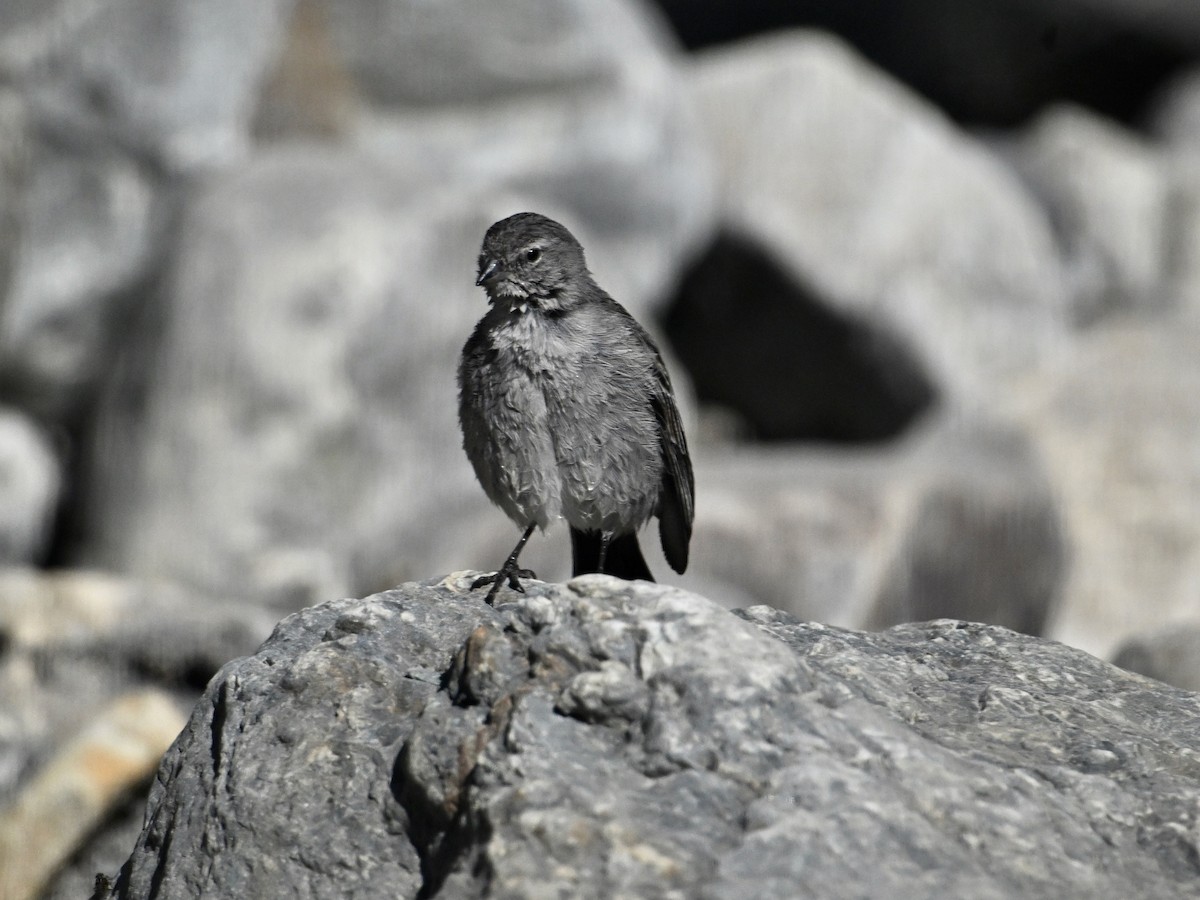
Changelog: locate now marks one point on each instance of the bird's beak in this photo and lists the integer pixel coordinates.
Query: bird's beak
(490, 268)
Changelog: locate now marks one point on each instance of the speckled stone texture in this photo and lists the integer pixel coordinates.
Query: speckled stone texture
(604, 738)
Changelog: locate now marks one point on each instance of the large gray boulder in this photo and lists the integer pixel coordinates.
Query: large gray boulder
(1108, 193)
(30, 482)
(873, 199)
(175, 83)
(1177, 125)
(1170, 654)
(89, 223)
(603, 738)
(957, 521)
(71, 642)
(1118, 430)
(304, 376)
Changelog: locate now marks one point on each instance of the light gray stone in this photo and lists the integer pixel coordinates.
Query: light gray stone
(1118, 430)
(73, 641)
(1170, 654)
(1177, 122)
(14, 164)
(173, 82)
(958, 520)
(30, 482)
(304, 376)
(876, 200)
(1108, 193)
(89, 225)
(605, 738)
(596, 125)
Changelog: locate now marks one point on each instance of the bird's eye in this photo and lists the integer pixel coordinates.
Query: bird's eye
(533, 254)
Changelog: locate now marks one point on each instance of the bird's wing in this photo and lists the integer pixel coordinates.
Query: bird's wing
(678, 496)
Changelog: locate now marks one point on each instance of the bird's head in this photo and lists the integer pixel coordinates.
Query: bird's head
(528, 260)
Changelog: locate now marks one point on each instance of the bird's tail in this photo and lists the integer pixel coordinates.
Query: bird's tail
(624, 558)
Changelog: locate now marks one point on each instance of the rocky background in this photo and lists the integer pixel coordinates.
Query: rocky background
(928, 273)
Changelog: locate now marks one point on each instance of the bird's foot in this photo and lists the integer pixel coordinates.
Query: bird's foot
(508, 572)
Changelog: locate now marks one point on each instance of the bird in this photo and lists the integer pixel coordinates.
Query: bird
(567, 409)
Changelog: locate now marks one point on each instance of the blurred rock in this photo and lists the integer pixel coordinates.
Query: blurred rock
(1108, 194)
(417, 55)
(53, 814)
(88, 227)
(173, 82)
(106, 849)
(882, 207)
(984, 539)
(1177, 123)
(606, 738)
(14, 163)
(596, 123)
(73, 641)
(1118, 429)
(1171, 655)
(29, 488)
(305, 377)
(758, 343)
(990, 62)
(309, 94)
(1175, 117)
(1178, 23)
(958, 521)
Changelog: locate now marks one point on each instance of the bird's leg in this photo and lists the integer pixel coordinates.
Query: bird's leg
(509, 571)
(605, 537)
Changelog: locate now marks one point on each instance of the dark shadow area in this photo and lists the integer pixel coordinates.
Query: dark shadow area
(985, 62)
(757, 342)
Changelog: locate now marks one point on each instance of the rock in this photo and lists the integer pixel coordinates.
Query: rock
(72, 642)
(305, 376)
(1108, 194)
(997, 62)
(1170, 654)
(1175, 118)
(14, 164)
(155, 630)
(956, 521)
(1177, 23)
(765, 347)
(72, 795)
(874, 200)
(29, 488)
(173, 82)
(1118, 430)
(413, 55)
(88, 227)
(1177, 123)
(76, 649)
(605, 738)
(595, 128)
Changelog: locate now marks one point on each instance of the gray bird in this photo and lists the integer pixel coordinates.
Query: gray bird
(567, 410)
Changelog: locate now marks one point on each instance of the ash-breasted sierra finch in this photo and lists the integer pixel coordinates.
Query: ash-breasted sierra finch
(567, 409)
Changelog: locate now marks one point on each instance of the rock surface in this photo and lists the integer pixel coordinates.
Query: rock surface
(953, 522)
(72, 642)
(1171, 654)
(603, 738)
(1108, 194)
(29, 489)
(1117, 430)
(870, 196)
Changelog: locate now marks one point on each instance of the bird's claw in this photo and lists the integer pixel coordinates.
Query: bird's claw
(508, 573)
